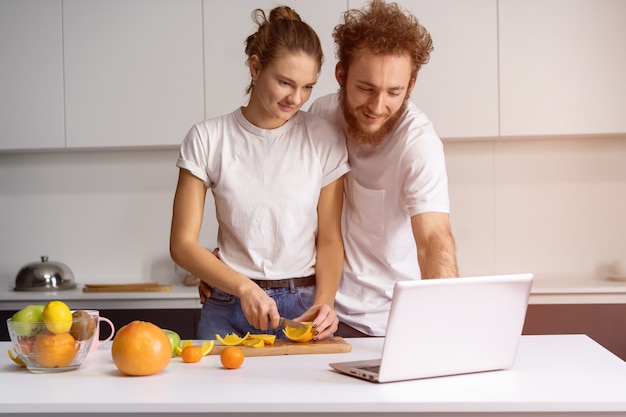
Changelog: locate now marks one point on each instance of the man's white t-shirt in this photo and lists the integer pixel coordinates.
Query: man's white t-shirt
(266, 185)
(403, 176)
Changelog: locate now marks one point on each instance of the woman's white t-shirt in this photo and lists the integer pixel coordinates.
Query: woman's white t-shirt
(266, 186)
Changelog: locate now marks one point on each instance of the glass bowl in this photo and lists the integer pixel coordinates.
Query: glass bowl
(45, 352)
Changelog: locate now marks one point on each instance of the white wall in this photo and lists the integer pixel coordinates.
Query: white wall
(555, 207)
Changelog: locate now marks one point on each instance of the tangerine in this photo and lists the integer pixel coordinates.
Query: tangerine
(54, 350)
(192, 354)
(141, 348)
(232, 357)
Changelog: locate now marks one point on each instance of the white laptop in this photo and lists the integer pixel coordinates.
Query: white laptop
(449, 326)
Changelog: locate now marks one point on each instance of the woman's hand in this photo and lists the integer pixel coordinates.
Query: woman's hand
(324, 318)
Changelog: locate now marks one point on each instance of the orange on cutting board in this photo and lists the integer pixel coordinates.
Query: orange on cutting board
(141, 348)
(300, 334)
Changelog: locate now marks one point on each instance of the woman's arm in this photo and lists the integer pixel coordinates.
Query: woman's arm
(186, 251)
(329, 260)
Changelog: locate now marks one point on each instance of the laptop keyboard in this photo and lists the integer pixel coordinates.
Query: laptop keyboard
(372, 368)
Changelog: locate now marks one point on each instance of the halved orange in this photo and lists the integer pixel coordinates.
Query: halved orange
(231, 339)
(300, 334)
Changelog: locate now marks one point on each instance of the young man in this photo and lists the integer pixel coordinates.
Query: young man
(395, 219)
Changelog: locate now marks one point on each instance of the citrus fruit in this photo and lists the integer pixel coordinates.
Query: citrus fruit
(300, 334)
(179, 349)
(232, 357)
(174, 339)
(231, 339)
(207, 347)
(253, 342)
(54, 350)
(259, 340)
(141, 348)
(191, 354)
(27, 321)
(57, 317)
(15, 357)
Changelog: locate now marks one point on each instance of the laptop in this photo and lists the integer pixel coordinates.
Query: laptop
(449, 326)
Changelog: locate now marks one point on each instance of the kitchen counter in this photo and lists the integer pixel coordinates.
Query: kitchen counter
(553, 375)
(573, 292)
(179, 297)
(186, 297)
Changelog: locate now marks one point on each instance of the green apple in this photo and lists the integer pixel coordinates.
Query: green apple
(28, 321)
(174, 339)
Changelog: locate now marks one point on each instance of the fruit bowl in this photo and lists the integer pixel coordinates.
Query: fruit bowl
(46, 350)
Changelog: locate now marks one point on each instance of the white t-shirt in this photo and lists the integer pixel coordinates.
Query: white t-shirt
(403, 176)
(266, 185)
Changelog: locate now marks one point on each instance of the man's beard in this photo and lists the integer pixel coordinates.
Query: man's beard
(360, 135)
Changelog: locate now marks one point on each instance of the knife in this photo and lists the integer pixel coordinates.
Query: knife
(286, 322)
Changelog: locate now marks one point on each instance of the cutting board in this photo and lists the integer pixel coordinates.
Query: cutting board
(287, 347)
(133, 287)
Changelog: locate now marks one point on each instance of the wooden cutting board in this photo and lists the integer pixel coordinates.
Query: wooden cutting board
(287, 347)
(132, 287)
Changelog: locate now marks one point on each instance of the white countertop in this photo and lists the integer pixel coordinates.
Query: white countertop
(552, 374)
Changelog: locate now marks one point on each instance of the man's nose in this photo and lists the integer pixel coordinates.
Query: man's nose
(376, 104)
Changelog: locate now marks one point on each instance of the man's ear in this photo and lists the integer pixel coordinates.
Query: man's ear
(340, 73)
(411, 85)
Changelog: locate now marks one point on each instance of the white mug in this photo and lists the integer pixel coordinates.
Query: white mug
(97, 342)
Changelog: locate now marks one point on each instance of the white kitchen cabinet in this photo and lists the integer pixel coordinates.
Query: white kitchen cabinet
(133, 71)
(458, 87)
(226, 27)
(562, 67)
(31, 75)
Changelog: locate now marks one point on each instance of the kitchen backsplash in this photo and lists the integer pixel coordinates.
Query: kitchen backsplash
(552, 206)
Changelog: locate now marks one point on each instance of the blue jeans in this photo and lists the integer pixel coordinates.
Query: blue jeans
(222, 314)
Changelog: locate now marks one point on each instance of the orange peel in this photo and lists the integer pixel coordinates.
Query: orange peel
(15, 357)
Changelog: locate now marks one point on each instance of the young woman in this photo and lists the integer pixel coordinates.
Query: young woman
(276, 175)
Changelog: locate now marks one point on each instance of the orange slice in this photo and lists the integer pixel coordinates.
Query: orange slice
(207, 347)
(268, 339)
(16, 358)
(300, 334)
(231, 339)
(253, 342)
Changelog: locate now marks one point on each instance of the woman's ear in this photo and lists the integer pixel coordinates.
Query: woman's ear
(254, 64)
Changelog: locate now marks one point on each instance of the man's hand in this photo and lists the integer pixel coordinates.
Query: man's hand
(204, 290)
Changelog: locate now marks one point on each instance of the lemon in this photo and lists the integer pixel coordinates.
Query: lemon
(57, 317)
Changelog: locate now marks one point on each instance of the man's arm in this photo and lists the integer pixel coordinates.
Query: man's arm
(436, 252)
